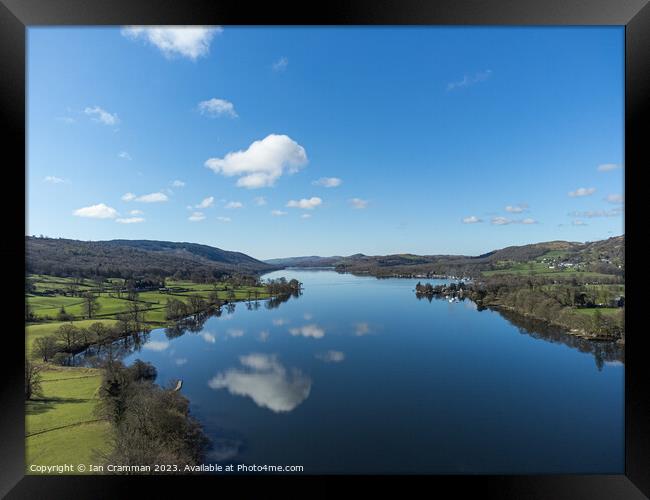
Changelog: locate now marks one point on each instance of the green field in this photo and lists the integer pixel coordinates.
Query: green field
(61, 426)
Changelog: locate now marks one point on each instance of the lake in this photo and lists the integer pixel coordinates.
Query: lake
(359, 376)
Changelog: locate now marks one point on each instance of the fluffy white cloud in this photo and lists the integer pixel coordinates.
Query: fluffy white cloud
(136, 212)
(615, 212)
(260, 201)
(124, 155)
(358, 203)
(210, 338)
(187, 41)
(328, 182)
(608, 167)
(235, 332)
(266, 381)
(206, 203)
(615, 198)
(528, 220)
(501, 221)
(102, 116)
(470, 80)
(156, 345)
(262, 163)
(312, 330)
(152, 198)
(52, 179)
(582, 192)
(281, 64)
(218, 107)
(129, 220)
(99, 211)
(128, 197)
(178, 184)
(278, 213)
(516, 209)
(196, 217)
(472, 219)
(224, 219)
(305, 203)
(579, 223)
(305, 216)
(331, 356)
(234, 204)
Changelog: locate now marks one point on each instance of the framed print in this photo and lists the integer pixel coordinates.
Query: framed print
(374, 240)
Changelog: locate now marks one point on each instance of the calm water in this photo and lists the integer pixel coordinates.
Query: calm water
(359, 376)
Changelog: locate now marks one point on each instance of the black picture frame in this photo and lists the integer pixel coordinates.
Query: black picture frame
(17, 15)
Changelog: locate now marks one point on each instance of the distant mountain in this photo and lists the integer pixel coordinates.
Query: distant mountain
(125, 258)
(604, 256)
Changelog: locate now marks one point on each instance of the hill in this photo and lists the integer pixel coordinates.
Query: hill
(132, 258)
(604, 257)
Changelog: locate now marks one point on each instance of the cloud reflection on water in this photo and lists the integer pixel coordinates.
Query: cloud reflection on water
(266, 381)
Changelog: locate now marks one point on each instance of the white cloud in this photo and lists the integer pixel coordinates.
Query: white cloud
(615, 198)
(328, 182)
(196, 217)
(206, 203)
(280, 321)
(128, 197)
(178, 184)
(358, 203)
(235, 332)
(281, 64)
(501, 221)
(234, 204)
(102, 116)
(305, 203)
(217, 107)
(278, 213)
(608, 167)
(305, 216)
(579, 223)
(136, 212)
(331, 356)
(266, 381)
(187, 41)
(99, 211)
(264, 335)
(516, 209)
(156, 345)
(130, 220)
(470, 80)
(582, 192)
(361, 329)
(124, 155)
(260, 201)
(210, 338)
(262, 163)
(472, 219)
(52, 179)
(152, 198)
(224, 219)
(312, 330)
(615, 212)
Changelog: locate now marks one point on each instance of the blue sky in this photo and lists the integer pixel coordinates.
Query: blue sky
(327, 141)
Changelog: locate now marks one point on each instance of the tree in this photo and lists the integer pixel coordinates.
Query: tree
(63, 315)
(91, 304)
(68, 334)
(32, 380)
(45, 347)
